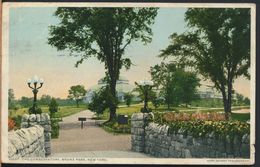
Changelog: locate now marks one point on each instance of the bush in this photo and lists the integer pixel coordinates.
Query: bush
(36, 110)
(117, 128)
(200, 124)
(17, 119)
(55, 129)
(221, 129)
(53, 107)
(11, 124)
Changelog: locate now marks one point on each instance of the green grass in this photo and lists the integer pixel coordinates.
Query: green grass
(62, 112)
(243, 117)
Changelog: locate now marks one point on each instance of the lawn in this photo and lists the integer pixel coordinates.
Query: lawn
(62, 112)
(136, 108)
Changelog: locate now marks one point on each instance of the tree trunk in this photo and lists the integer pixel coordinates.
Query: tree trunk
(112, 106)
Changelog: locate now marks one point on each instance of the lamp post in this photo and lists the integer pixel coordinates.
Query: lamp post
(35, 84)
(145, 86)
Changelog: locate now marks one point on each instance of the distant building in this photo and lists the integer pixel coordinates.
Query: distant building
(122, 87)
(209, 92)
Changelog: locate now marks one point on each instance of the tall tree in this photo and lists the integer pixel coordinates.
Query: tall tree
(217, 45)
(175, 84)
(103, 33)
(77, 93)
(11, 98)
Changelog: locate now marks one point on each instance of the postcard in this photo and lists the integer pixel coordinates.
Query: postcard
(128, 83)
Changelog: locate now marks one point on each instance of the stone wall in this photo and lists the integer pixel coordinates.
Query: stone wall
(155, 140)
(26, 142)
(43, 120)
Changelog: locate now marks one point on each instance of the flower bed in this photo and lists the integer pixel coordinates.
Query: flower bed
(202, 124)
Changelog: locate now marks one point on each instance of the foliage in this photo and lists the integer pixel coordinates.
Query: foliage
(182, 116)
(55, 129)
(53, 107)
(221, 129)
(35, 110)
(241, 100)
(157, 101)
(217, 46)
(176, 85)
(11, 124)
(101, 100)
(11, 99)
(77, 93)
(103, 33)
(44, 100)
(114, 127)
(25, 101)
(128, 98)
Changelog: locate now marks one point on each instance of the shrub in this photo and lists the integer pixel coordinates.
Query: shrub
(11, 124)
(221, 129)
(55, 129)
(53, 107)
(36, 110)
(17, 119)
(176, 116)
(200, 124)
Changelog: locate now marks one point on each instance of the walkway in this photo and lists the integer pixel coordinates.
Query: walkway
(90, 141)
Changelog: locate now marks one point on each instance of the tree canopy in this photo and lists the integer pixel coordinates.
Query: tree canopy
(77, 92)
(103, 33)
(175, 84)
(217, 45)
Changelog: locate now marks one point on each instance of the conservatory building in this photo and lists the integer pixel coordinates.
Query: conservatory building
(122, 87)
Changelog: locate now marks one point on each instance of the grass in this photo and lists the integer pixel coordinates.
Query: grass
(62, 112)
(243, 117)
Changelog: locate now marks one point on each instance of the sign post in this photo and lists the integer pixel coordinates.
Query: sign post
(82, 119)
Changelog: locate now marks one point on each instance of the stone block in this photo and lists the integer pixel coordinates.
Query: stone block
(137, 124)
(24, 125)
(11, 150)
(14, 139)
(25, 118)
(47, 145)
(47, 128)
(245, 150)
(38, 118)
(186, 153)
(47, 136)
(32, 117)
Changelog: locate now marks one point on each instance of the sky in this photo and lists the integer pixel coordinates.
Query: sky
(30, 54)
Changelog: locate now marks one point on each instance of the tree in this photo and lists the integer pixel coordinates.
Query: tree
(45, 100)
(53, 107)
(25, 101)
(176, 85)
(11, 99)
(162, 75)
(185, 86)
(77, 93)
(128, 98)
(103, 33)
(217, 46)
(100, 100)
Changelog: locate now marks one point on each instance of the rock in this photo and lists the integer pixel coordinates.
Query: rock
(25, 118)
(38, 118)
(186, 153)
(32, 118)
(24, 125)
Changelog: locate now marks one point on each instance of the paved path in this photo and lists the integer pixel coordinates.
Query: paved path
(91, 140)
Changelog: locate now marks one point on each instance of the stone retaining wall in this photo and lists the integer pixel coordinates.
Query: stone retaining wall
(43, 120)
(155, 140)
(26, 142)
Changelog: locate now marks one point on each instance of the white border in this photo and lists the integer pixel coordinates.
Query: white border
(5, 79)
